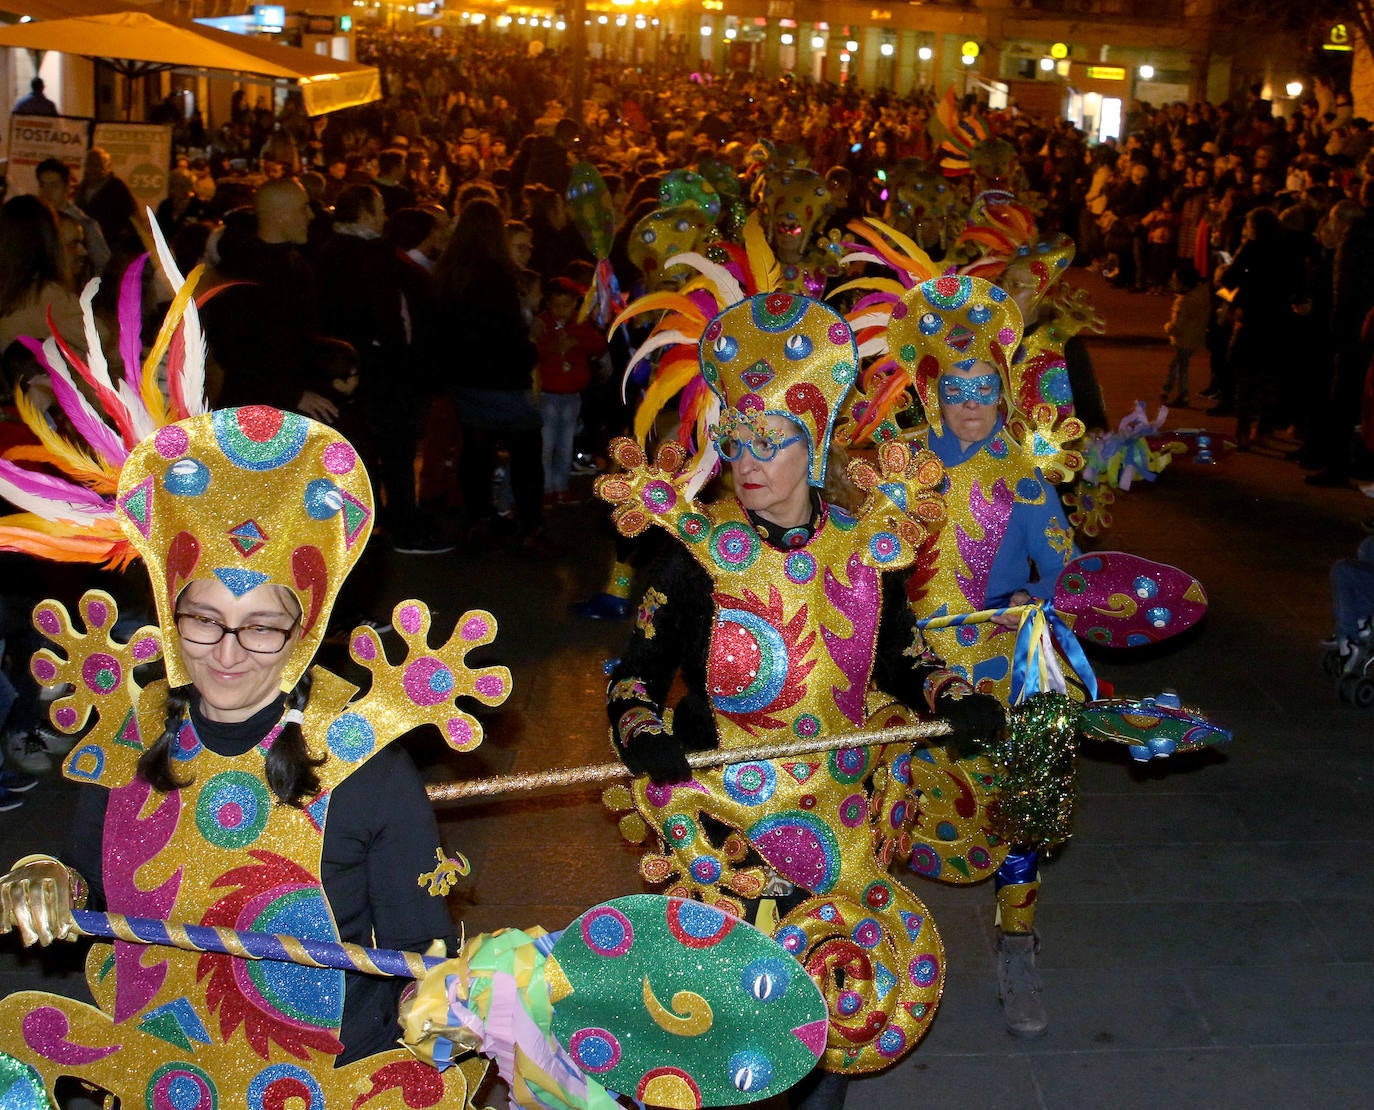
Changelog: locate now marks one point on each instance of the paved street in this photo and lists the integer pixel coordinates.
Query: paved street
(1208, 938)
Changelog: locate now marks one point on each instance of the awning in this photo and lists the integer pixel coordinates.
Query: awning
(139, 42)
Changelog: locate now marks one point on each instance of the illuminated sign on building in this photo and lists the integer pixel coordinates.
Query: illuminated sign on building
(1107, 73)
(1338, 38)
(269, 17)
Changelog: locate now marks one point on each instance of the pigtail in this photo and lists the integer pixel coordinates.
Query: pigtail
(289, 767)
(155, 764)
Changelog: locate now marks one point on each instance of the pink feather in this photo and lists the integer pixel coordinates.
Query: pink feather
(79, 411)
(131, 321)
(57, 491)
(113, 405)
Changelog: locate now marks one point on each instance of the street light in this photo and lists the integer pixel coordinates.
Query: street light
(1046, 64)
(1147, 73)
(887, 50)
(817, 42)
(1293, 89)
(786, 39)
(705, 31)
(852, 46)
(925, 53)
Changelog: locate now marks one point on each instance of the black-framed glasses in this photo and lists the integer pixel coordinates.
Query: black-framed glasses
(260, 639)
(731, 448)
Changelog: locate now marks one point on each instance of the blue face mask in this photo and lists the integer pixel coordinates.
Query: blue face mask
(985, 389)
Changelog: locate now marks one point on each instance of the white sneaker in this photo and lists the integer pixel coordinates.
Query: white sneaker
(27, 753)
(1019, 985)
(56, 744)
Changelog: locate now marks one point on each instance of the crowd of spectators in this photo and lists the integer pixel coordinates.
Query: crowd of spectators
(405, 268)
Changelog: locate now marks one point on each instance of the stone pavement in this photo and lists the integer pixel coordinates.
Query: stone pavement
(1208, 939)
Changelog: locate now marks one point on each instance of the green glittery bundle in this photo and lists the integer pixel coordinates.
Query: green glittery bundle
(1036, 801)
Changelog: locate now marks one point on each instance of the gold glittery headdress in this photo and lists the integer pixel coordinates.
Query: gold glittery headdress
(247, 497)
(952, 322)
(782, 355)
(734, 348)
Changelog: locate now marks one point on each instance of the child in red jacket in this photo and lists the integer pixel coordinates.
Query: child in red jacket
(566, 347)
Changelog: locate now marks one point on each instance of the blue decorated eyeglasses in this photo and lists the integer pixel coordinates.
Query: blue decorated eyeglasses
(985, 389)
(764, 448)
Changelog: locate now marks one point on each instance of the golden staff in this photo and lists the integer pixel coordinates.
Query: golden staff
(717, 757)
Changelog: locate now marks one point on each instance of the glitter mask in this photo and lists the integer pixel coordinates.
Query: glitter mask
(1034, 269)
(794, 199)
(985, 389)
(247, 497)
(660, 235)
(784, 355)
(952, 323)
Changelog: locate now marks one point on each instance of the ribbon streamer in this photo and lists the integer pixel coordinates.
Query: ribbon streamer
(1035, 669)
(718, 757)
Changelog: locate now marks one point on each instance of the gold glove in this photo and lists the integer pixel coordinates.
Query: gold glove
(425, 1016)
(38, 895)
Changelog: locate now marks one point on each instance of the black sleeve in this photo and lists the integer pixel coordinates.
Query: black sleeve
(85, 841)
(670, 634)
(380, 836)
(903, 663)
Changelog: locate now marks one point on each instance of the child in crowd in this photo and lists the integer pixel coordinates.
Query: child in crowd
(566, 348)
(1186, 329)
(1161, 231)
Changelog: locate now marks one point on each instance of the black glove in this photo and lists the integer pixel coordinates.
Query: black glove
(975, 718)
(648, 748)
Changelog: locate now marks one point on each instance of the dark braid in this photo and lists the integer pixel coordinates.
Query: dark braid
(155, 764)
(289, 767)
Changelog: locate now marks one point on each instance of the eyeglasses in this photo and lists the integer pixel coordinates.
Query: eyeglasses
(732, 449)
(260, 639)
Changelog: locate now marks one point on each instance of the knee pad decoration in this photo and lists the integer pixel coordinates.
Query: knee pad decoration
(865, 939)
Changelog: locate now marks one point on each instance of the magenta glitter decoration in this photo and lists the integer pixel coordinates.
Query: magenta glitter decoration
(145, 649)
(97, 612)
(490, 686)
(411, 618)
(364, 647)
(47, 620)
(171, 442)
(475, 628)
(340, 458)
(65, 718)
(428, 682)
(101, 673)
(459, 731)
(44, 671)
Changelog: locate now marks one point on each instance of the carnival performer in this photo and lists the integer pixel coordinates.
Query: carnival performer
(783, 614)
(1004, 543)
(250, 789)
(793, 208)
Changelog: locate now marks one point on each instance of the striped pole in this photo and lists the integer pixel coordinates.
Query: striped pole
(255, 946)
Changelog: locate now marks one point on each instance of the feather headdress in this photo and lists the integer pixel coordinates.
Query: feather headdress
(64, 485)
(732, 346)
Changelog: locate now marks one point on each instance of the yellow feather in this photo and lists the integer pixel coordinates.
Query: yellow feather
(59, 452)
(652, 302)
(667, 384)
(763, 264)
(148, 388)
(907, 245)
(871, 285)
